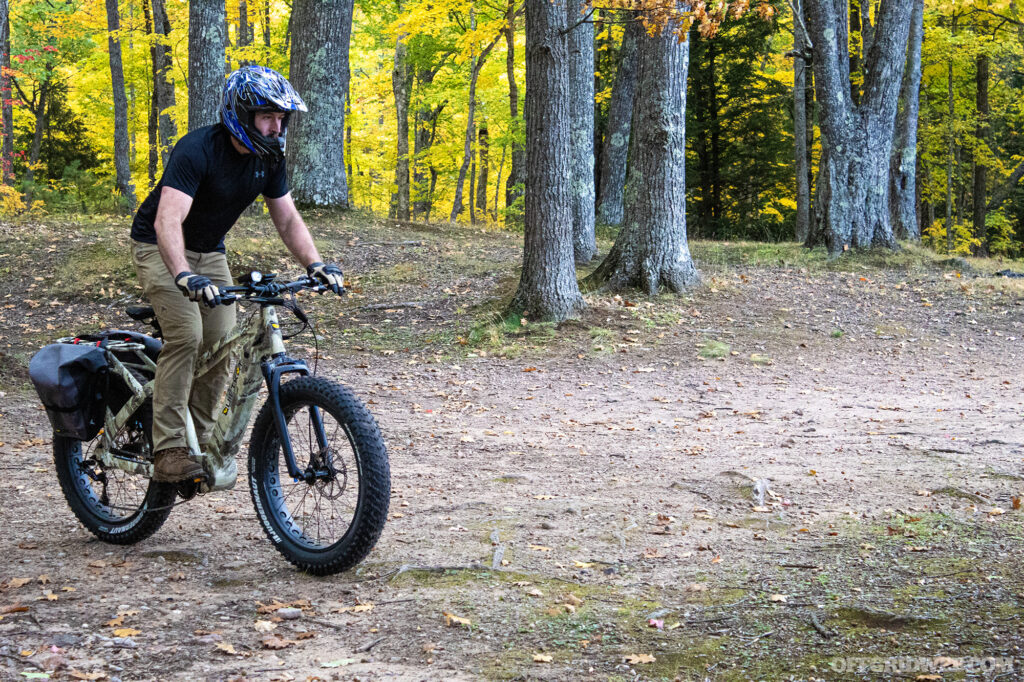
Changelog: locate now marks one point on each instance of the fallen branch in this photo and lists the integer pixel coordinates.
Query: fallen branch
(369, 645)
(822, 630)
(389, 306)
(388, 244)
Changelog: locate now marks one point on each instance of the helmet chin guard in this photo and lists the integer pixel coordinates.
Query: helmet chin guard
(256, 89)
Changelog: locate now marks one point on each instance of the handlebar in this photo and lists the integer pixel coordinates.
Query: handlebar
(269, 291)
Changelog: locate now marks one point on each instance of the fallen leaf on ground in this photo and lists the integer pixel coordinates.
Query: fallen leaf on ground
(275, 642)
(15, 583)
(78, 675)
(696, 587)
(542, 658)
(582, 564)
(126, 632)
(338, 663)
(781, 598)
(226, 648)
(540, 548)
(451, 620)
(573, 599)
(633, 659)
(264, 626)
(996, 511)
(535, 593)
(358, 608)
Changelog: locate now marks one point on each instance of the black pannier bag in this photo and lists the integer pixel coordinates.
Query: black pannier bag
(71, 381)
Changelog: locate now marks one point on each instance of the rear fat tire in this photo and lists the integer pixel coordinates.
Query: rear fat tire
(116, 526)
(357, 443)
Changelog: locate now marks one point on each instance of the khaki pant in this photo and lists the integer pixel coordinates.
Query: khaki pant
(189, 329)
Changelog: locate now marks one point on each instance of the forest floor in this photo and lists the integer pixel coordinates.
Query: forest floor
(582, 497)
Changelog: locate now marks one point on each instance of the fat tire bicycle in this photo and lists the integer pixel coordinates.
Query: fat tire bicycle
(318, 468)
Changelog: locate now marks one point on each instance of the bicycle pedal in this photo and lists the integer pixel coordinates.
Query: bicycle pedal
(190, 488)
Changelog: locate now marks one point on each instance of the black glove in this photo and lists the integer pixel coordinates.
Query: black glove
(329, 275)
(198, 288)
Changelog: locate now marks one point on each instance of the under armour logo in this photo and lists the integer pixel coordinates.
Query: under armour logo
(259, 174)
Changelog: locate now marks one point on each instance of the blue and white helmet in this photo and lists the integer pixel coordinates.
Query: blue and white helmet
(251, 90)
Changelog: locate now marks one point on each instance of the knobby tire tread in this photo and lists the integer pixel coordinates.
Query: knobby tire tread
(159, 496)
(374, 474)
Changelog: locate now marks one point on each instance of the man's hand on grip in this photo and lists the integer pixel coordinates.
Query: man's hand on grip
(198, 288)
(327, 274)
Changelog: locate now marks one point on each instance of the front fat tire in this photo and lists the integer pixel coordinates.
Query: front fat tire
(361, 445)
(127, 530)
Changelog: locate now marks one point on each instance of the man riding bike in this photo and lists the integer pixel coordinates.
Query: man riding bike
(212, 175)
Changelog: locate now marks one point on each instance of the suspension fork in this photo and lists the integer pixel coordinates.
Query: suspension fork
(273, 369)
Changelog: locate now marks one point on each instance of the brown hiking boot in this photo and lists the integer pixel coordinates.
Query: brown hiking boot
(174, 464)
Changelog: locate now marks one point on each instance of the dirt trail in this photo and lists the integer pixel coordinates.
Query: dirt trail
(592, 506)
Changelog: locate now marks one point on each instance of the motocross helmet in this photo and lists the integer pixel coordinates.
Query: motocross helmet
(251, 90)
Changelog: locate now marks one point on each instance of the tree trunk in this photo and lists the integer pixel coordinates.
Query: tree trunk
(803, 188)
(206, 41)
(40, 112)
(163, 85)
(317, 161)
(616, 143)
(980, 169)
(517, 163)
(154, 111)
(581, 135)
(475, 64)
(423, 138)
(651, 250)
(6, 113)
(472, 192)
(903, 180)
(483, 149)
(266, 23)
(121, 148)
(401, 86)
(245, 30)
(547, 287)
(950, 140)
(853, 209)
(716, 139)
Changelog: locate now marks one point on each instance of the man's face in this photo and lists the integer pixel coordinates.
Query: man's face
(269, 123)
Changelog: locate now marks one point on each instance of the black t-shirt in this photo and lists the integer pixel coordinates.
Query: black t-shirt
(222, 183)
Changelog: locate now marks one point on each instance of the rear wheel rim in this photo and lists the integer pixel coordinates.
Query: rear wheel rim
(123, 495)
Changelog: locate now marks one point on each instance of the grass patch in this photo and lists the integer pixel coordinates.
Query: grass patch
(95, 267)
(714, 350)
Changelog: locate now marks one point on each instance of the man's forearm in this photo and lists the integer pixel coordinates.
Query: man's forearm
(171, 243)
(299, 241)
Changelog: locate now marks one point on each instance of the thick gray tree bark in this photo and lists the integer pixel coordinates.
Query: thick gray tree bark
(651, 250)
(517, 165)
(616, 144)
(163, 84)
(903, 181)
(319, 71)
(547, 287)
(206, 41)
(401, 87)
(122, 164)
(857, 140)
(801, 54)
(7, 125)
(581, 117)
